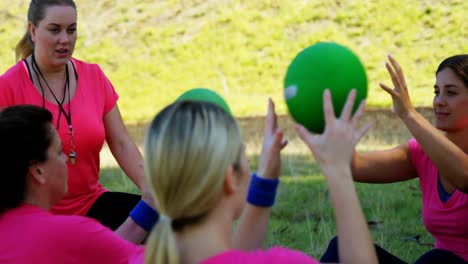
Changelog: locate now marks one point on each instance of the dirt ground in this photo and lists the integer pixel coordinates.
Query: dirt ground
(387, 128)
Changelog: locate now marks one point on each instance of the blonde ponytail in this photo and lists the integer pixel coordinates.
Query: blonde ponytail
(24, 47)
(188, 148)
(161, 245)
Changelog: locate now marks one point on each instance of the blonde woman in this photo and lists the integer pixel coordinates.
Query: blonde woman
(198, 172)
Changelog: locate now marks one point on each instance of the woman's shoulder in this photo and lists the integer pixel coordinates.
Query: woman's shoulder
(14, 71)
(83, 66)
(40, 219)
(272, 255)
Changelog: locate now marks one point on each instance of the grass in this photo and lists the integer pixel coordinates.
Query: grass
(153, 51)
(302, 217)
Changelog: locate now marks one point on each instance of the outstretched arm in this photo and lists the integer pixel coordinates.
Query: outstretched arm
(451, 161)
(123, 148)
(130, 160)
(131, 230)
(383, 166)
(253, 223)
(333, 151)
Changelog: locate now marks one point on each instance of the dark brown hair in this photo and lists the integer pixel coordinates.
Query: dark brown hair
(458, 64)
(25, 136)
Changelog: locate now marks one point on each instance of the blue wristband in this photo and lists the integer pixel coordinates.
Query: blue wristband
(145, 216)
(262, 192)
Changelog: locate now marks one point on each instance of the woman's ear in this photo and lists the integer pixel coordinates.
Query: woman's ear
(37, 174)
(32, 31)
(230, 181)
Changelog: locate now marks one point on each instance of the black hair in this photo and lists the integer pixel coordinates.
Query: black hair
(25, 136)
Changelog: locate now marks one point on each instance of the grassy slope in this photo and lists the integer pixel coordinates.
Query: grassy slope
(154, 50)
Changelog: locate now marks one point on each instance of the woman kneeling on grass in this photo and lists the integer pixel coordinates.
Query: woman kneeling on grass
(34, 178)
(439, 160)
(198, 172)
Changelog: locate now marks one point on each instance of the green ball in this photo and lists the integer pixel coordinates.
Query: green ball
(316, 68)
(205, 95)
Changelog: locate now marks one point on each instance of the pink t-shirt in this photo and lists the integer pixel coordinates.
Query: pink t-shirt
(30, 234)
(94, 98)
(447, 222)
(275, 255)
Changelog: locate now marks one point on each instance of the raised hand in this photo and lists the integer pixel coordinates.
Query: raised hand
(336, 145)
(273, 143)
(400, 96)
(333, 150)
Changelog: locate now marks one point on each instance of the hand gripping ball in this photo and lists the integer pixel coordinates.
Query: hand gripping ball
(205, 95)
(316, 68)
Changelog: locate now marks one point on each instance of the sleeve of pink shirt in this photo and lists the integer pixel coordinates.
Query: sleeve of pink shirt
(415, 152)
(420, 163)
(110, 94)
(6, 92)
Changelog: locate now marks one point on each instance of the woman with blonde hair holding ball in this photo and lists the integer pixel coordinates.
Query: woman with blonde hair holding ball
(197, 170)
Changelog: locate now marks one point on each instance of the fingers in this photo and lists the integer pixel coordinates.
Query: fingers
(354, 123)
(388, 90)
(270, 118)
(284, 143)
(361, 132)
(328, 110)
(393, 76)
(359, 112)
(347, 109)
(303, 133)
(398, 70)
(278, 141)
(284, 140)
(271, 106)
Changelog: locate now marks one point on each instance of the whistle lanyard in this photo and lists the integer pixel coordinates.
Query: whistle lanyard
(68, 116)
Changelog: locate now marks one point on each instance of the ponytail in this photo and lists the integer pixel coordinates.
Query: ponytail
(24, 47)
(161, 247)
(189, 146)
(36, 12)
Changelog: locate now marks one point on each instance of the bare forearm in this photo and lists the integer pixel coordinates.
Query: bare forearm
(350, 220)
(130, 160)
(131, 231)
(365, 168)
(252, 227)
(387, 166)
(123, 148)
(451, 161)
